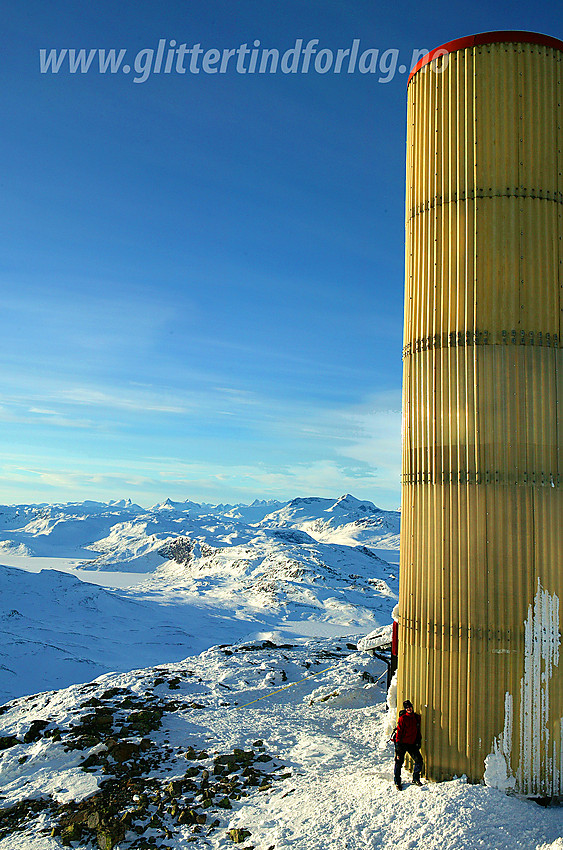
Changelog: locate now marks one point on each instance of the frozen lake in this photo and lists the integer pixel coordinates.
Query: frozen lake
(113, 579)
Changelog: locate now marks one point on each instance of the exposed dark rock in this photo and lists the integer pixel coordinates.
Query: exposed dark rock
(112, 692)
(180, 550)
(174, 788)
(34, 731)
(144, 721)
(93, 702)
(124, 751)
(238, 835)
(266, 644)
(7, 741)
(91, 761)
(71, 833)
(101, 719)
(187, 816)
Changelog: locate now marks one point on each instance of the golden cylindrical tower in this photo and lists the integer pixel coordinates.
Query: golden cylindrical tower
(482, 504)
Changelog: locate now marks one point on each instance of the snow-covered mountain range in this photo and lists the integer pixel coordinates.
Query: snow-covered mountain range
(210, 574)
(126, 535)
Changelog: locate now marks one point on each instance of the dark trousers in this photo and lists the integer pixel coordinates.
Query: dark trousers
(414, 753)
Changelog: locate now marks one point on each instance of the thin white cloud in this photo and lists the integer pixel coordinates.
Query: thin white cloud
(50, 418)
(92, 397)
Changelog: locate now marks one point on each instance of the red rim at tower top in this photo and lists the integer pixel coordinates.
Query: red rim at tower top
(513, 36)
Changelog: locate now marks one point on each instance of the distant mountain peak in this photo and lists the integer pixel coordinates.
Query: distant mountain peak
(349, 502)
(307, 500)
(259, 503)
(121, 503)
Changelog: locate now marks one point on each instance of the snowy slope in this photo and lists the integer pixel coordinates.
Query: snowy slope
(60, 530)
(285, 569)
(55, 629)
(269, 747)
(347, 520)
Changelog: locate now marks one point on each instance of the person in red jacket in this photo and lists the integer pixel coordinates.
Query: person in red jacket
(407, 739)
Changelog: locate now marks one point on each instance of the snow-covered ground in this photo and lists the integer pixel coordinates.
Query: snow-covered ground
(252, 718)
(284, 742)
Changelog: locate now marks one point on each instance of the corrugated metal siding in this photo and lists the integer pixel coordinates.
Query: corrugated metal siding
(482, 533)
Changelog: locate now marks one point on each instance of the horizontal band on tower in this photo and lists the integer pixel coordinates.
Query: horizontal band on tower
(432, 634)
(469, 476)
(465, 339)
(482, 194)
(457, 629)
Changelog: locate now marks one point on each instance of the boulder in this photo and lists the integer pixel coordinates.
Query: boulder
(34, 731)
(238, 835)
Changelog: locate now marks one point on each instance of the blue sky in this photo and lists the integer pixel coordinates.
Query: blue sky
(202, 274)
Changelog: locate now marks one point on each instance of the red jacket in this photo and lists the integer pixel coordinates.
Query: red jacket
(408, 729)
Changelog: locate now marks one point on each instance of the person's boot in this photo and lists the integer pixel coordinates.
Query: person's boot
(416, 779)
(398, 784)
